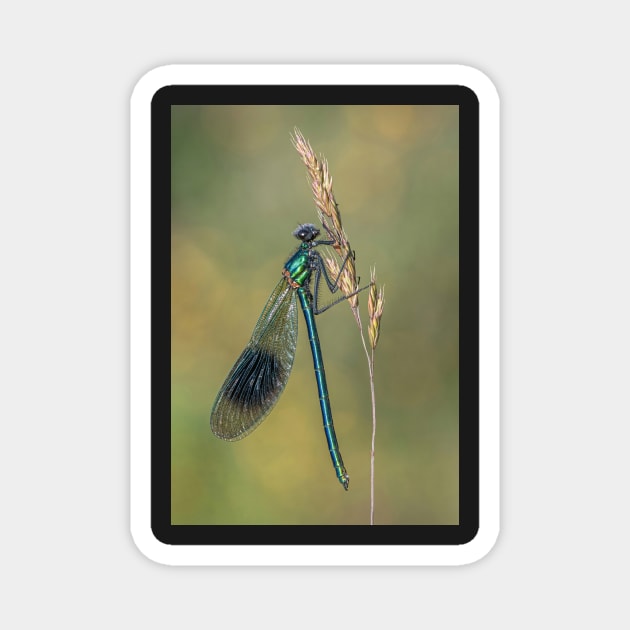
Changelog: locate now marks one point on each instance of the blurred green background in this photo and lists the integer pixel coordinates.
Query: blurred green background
(239, 189)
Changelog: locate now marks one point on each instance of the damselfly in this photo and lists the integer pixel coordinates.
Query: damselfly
(260, 374)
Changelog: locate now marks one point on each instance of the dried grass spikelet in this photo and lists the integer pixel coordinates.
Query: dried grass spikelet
(330, 217)
(376, 299)
(321, 186)
(348, 280)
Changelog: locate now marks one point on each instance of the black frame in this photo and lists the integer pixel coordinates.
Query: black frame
(468, 104)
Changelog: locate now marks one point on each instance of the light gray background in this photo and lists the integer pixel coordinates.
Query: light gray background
(67, 557)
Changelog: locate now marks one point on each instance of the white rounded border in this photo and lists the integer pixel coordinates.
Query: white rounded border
(140, 315)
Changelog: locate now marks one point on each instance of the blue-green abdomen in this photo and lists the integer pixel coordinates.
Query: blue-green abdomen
(322, 388)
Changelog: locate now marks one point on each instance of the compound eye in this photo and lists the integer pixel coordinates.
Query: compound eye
(306, 232)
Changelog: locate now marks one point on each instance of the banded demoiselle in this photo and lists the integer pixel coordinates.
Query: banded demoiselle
(260, 374)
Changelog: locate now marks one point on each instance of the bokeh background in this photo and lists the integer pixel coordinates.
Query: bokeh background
(239, 189)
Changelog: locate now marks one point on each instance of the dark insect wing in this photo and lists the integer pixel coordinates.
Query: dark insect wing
(260, 374)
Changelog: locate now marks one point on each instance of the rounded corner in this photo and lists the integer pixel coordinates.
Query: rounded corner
(150, 546)
(152, 83)
(480, 545)
(478, 82)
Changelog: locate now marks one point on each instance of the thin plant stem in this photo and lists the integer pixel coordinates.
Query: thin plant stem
(370, 360)
(371, 363)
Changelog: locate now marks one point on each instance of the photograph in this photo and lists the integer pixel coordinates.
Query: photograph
(292, 404)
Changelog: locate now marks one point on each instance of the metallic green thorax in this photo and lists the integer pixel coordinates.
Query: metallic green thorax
(298, 267)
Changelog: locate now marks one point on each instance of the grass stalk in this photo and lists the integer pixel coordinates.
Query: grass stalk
(330, 218)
